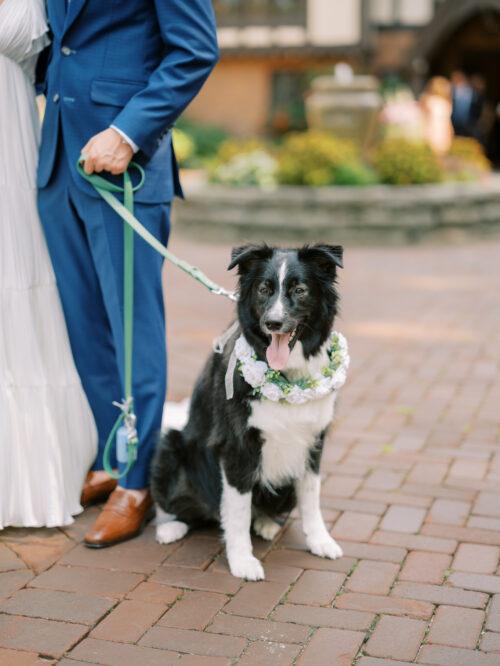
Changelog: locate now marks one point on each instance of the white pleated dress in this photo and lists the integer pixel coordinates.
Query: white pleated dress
(47, 433)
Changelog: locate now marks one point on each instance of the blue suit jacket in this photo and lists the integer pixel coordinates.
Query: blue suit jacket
(135, 64)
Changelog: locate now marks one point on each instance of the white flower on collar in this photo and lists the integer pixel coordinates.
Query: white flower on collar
(254, 373)
(271, 392)
(273, 385)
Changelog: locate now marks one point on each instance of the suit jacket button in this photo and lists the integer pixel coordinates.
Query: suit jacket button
(65, 50)
(55, 99)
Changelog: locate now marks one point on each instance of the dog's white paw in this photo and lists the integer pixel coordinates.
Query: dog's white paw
(324, 546)
(246, 567)
(171, 531)
(266, 528)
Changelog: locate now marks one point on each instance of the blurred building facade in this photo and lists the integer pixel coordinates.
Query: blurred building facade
(270, 50)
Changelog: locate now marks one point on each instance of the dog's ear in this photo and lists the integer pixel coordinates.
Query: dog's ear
(327, 257)
(244, 256)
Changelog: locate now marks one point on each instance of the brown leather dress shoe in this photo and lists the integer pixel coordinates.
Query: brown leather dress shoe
(94, 491)
(120, 519)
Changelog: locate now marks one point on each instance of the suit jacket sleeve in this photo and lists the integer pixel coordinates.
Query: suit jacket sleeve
(189, 34)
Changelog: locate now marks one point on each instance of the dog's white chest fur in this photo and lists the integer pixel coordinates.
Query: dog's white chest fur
(289, 431)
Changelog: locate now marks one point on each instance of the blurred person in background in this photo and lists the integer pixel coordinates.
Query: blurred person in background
(462, 104)
(494, 138)
(481, 116)
(437, 108)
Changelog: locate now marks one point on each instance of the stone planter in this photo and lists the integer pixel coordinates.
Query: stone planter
(380, 214)
(347, 106)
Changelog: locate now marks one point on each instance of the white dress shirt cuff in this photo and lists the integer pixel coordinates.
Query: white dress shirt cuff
(126, 138)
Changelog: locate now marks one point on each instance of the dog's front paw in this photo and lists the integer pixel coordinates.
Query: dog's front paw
(246, 567)
(266, 527)
(171, 531)
(324, 546)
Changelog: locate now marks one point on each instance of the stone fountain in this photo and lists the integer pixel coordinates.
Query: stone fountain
(345, 103)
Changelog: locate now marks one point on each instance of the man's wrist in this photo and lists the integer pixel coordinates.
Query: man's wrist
(126, 138)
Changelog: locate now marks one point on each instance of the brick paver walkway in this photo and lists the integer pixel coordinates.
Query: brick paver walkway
(411, 491)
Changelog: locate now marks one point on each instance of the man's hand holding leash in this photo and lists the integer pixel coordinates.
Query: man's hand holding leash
(107, 151)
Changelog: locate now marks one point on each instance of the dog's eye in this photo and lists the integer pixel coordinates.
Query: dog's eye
(300, 291)
(263, 290)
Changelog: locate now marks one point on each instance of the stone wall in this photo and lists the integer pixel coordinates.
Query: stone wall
(379, 214)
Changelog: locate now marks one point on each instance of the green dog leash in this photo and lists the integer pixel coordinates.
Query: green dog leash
(107, 191)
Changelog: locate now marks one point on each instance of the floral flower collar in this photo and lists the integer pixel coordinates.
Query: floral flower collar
(273, 385)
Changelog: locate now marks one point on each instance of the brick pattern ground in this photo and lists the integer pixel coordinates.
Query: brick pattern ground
(411, 489)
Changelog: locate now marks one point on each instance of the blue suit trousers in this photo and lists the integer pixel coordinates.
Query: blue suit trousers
(85, 241)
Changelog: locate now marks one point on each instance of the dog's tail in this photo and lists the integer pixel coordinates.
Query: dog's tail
(166, 466)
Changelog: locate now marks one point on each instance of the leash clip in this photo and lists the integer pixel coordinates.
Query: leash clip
(220, 342)
(130, 424)
(224, 292)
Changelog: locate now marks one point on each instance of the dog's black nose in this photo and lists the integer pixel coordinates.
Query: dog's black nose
(273, 325)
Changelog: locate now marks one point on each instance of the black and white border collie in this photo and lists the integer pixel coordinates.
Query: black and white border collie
(246, 460)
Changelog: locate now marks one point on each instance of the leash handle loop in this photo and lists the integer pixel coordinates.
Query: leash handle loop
(102, 183)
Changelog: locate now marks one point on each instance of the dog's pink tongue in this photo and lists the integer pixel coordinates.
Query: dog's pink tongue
(278, 351)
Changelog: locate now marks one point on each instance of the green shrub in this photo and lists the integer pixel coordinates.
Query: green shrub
(469, 153)
(244, 162)
(313, 158)
(233, 147)
(401, 161)
(207, 138)
(183, 145)
(355, 173)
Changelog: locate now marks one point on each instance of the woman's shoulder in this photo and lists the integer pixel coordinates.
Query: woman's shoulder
(24, 28)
